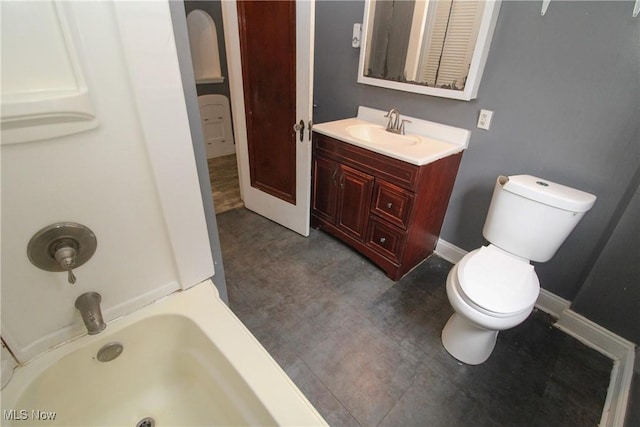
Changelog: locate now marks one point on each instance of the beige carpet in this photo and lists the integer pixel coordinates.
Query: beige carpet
(225, 187)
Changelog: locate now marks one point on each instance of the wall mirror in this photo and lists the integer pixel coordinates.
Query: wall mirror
(433, 47)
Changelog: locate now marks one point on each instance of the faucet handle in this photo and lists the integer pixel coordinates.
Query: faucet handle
(402, 125)
(71, 278)
(66, 256)
(62, 246)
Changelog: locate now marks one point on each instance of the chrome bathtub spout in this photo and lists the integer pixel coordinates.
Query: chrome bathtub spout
(89, 306)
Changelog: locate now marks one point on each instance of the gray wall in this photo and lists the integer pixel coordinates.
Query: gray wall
(613, 280)
(565, 88)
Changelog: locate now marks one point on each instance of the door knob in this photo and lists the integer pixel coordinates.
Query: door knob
(299, 127)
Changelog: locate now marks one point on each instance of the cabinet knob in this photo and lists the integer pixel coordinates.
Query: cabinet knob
(383, 239)
(389, 204)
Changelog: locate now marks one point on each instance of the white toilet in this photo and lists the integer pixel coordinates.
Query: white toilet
(495, 288)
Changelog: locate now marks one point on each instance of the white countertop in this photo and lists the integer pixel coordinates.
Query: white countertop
(427, 141)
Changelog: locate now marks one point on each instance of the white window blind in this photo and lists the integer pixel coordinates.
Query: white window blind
(449, 45)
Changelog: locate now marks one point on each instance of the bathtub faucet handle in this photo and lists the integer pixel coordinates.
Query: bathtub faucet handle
(63, 246)
(66, 257)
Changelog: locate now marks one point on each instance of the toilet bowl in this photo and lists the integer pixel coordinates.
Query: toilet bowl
(495, 287)
(504, 298)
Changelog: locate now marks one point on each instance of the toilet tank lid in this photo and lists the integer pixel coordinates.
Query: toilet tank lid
(547, 192)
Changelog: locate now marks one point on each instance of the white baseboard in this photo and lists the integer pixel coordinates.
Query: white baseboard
(619, 350)
(552, 304)
(449, 252)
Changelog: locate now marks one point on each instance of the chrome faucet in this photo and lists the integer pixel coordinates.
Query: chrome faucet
(89, 306)
(392, 124)
(395, 124)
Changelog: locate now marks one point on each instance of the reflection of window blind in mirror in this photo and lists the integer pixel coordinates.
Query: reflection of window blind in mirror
(450, 43)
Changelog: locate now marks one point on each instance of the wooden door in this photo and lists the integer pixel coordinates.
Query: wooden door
(267, 47)
(274, 160)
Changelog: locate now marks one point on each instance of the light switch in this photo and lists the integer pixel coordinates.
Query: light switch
(357, 35)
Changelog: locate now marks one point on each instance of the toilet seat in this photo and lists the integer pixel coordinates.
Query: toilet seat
(497, 282)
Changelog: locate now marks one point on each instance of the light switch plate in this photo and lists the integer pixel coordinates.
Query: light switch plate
(357, 35)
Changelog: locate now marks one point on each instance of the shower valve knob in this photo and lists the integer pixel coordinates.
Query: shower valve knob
(66, 257)
(62, 247)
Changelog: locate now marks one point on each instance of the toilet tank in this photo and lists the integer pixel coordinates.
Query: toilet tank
(531, 217)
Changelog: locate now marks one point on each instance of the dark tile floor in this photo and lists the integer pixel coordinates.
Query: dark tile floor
(366, 351)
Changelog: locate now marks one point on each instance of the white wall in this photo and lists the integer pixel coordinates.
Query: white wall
(132, 180)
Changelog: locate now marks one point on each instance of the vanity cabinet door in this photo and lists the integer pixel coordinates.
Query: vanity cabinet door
(325, 188)
(354, 199)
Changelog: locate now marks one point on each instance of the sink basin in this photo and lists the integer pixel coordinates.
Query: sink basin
(376, 134)
(424, 143)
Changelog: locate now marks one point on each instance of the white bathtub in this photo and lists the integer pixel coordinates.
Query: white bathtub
(187, 360)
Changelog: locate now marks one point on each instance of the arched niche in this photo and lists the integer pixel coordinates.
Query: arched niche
(205, 54)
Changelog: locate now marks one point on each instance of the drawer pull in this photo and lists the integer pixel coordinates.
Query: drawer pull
(383, 239)
(389, 204)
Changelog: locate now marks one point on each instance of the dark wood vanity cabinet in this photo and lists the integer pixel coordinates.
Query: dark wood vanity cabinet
(389, 210)
(343, 196)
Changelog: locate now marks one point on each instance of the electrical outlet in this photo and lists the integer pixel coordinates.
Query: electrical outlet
(484, 120)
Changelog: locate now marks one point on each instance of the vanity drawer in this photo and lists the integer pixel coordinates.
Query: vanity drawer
(392, 203)
(385, 239)
(392, 170)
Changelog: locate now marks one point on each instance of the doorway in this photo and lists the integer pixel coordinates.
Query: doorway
(293, 211)
(213, 92)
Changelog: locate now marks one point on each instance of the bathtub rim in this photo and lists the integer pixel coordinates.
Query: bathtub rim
(201, 304)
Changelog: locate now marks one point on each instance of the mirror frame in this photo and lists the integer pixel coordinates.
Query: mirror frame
(478, 60)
